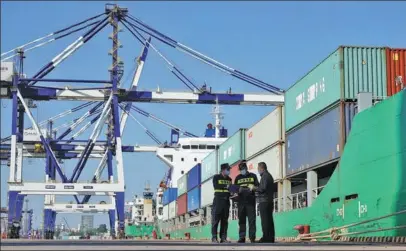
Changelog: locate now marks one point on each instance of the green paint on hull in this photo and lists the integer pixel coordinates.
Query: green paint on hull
(139, 231)
(370, 181)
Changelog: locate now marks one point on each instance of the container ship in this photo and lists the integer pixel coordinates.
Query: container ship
(140, 214)
(336, 150)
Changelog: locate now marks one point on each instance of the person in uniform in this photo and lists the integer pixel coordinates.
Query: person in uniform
(246, 202)
(221, 203)
(265, 193)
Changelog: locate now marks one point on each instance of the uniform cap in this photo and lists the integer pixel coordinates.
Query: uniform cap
(242, 165)
(224, 166)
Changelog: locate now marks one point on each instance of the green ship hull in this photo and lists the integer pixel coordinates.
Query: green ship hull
(368, 183)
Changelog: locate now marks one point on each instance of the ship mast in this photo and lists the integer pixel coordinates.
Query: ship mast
(147, 187)
(218, 116)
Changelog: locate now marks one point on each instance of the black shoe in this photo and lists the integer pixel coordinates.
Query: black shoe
(241, 240)
(224, 241)
(262, 240)
(214, 240)
(252, 240)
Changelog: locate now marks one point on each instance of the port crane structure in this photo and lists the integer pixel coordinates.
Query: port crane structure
(104, 100)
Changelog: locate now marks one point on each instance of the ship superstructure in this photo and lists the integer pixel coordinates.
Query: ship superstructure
(186, 152)
(141, 210)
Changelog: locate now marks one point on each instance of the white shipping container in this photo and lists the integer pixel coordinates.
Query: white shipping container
(264, 133)
(165, 215)
(207, 193)
(274, 160)
(172, 210)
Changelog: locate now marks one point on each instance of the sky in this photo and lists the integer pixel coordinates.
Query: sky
(277, 42)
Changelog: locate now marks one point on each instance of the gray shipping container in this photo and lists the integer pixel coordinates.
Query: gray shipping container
(266, 132)
(320, 140)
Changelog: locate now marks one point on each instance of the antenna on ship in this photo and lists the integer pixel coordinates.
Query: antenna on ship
(218, 116)
(147, 186)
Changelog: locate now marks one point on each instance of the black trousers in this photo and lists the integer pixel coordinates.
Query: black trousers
(247, 210)
(268, 228)
(220, 213)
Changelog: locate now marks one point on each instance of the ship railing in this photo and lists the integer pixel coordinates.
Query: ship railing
(275, 205)
(318, 190)
(299, 200)
(195, 221)
(233, 212)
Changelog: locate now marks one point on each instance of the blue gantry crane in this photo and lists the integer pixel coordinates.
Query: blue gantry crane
(104, 100)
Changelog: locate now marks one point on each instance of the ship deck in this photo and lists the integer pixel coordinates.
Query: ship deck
(185, 245)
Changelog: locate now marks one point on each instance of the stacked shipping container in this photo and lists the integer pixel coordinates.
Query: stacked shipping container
(341, 76)
(319, 109)
(194, 177)
(181, 205)
(317, 118)
(193, 199)
(264, 143)
(181, 202)
(182, 185)
(169, 195)
(210, 167)
(193, 185)
(207, 193)
(395, 67)
(232, 151)
(172, 210)
(320, 140)
(188, 192)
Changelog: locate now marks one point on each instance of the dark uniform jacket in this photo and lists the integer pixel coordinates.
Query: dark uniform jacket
(246, 196)
(220, 184)
(265, 189)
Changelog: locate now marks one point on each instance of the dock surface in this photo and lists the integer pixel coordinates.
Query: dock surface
(185, 245)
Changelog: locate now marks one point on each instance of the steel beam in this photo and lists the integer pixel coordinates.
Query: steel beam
(14, 113)
(114, 134)
(66, 188)
(42, 137)
(12, 206)
(112, 221)
(78, 148)
(93, 138)
(124, 114)
(81, 208)
(66, 80)
(44, 93)
(65, 155)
